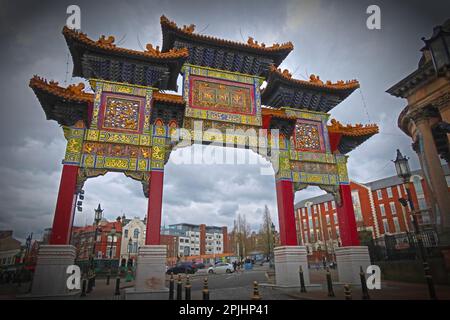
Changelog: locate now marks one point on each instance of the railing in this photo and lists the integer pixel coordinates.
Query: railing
(403, 246)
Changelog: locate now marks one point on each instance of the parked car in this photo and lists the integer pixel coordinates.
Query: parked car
(221, 267)
(183, 268)
(199, 265)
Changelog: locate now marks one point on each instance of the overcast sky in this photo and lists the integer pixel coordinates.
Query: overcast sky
(330, 39)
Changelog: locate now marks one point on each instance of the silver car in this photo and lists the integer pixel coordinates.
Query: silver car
(221, 267)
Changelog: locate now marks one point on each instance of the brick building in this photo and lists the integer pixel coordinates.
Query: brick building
(107, 247)
(195, 240)
(377, 210)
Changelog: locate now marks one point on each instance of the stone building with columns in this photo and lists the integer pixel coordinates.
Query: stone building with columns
(426, 119)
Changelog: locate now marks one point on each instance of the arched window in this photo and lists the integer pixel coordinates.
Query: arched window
(136, 233)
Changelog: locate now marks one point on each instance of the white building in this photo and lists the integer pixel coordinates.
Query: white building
(197, 239)
(133, 237)
(9, 249)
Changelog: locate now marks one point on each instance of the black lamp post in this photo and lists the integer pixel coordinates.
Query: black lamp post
(272, 247)
(112, 234)
(130, 244)
(404, 172)
(97, 219)
(439, 46)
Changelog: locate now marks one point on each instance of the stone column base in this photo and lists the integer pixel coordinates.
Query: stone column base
(349, 260)
(288, 259)
(50, 277)
(150, 283)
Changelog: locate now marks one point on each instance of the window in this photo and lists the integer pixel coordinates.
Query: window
(379, 195)
(333, 204)
(326, 206)
(399, 191)
(396, 225)
(382, 210)
(136, 233)
(417, 181)
(393, 209)
(328, 219)
(357, 206)
(389, 192)
(447, 178)
(385, 226)
(335, 218)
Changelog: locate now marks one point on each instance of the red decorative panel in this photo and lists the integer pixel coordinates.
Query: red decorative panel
(123, 113)
(308, 136)
(222, 96)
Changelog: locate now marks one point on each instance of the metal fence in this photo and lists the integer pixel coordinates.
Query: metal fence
(402, 246)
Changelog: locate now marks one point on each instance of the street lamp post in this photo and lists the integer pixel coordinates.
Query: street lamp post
(404, 172)
(272, 247)
(97, 219)
(130, 244)
(112, 234)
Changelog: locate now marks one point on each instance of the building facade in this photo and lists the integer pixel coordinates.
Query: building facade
(196, 240)
(10, 249)
(426, 119)
(133, 237)
(107, 246)
(377, 210)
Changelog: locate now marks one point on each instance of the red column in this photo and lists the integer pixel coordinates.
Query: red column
(155, 194)
(286, 216)
(346, 217)
(203, 239)
(63, 219)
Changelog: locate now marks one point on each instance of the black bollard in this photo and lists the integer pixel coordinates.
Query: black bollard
(365, 291)
(179, 288)
(171, 286)
(89, 284)
(205, 289)
(302, 280)
(117, 291)
(429, 279)
(107, 279)
(83, 288)
(330, 284)
(256, 295)
(187, 287)
(347, 292)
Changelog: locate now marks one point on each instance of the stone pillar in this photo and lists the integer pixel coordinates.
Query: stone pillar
(444, 111)
(155, 196)
(63, 218)
(346, 216)
(150, 274)
(286, 215)
(433, 167)
(288, 259)
(50, 277)
(349, 260)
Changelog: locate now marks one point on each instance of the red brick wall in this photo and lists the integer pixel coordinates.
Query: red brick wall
(225, 239)
(172, 244)
(202, 239)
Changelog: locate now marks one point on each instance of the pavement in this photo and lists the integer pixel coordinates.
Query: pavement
(239, 286)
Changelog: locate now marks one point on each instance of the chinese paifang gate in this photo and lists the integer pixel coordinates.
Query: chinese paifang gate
(125, 125)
